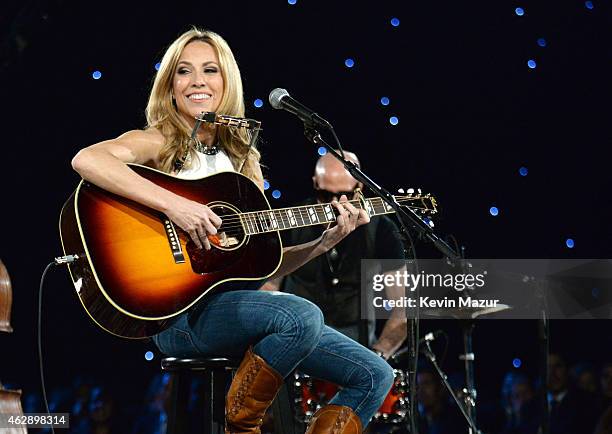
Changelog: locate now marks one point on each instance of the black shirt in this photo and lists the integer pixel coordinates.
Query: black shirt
(333, 281)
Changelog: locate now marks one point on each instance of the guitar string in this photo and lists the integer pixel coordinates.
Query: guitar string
(247, 224)
(319, 209)
(256, 216)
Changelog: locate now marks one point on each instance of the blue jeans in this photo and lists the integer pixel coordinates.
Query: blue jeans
(288, 332)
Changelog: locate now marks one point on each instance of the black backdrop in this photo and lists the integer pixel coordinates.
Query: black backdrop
(471, 113)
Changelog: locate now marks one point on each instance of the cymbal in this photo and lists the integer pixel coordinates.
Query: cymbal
(463, 312)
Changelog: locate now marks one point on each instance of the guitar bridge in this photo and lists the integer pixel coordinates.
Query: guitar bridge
(174, 242)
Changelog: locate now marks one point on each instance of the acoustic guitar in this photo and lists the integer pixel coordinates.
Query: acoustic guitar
(136, 270)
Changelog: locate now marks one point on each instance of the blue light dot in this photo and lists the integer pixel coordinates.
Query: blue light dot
(384, 100)
(542, 42)
(393, 120)
(494, 211)
(292, 2)
(276, 194)
(258, 103)
(429, 222)
(395, 22)
(569, 243)
(589, 4)
(149, 356)
(77, 407)
(157, 66)
(519, 11)
(349, 63)
(517, 363)
(96, 75)
(531, 63)
(266, 184)
(322, 151)
(523, 171)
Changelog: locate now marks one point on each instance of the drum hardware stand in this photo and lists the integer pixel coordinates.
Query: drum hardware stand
(544, 338)
(465, 409)
(468, 357)
(469, 392)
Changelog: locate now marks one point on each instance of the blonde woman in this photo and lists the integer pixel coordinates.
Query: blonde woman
(273, 333)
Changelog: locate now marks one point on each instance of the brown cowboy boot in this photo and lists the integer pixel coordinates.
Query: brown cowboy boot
(252, 391)
(335, 419)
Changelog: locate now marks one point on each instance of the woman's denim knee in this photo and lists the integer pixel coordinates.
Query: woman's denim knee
(306, 324)
(385, 377)
(377, 379)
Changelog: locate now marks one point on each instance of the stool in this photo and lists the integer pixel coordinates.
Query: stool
(216, 371)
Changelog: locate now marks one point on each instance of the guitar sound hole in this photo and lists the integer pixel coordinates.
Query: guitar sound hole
(231, 234)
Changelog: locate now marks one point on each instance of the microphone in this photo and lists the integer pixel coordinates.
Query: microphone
(280, 100)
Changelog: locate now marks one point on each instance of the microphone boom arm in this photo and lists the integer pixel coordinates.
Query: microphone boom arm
(407, 217)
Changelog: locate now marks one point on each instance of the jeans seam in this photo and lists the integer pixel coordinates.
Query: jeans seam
(313, 348)
(289, 313)
(366, 398)
(187, 333)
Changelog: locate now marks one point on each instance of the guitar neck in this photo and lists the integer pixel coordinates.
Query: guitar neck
(307, 215)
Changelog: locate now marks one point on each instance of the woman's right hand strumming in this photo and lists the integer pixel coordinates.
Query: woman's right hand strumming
(104, 164)
(196, 219)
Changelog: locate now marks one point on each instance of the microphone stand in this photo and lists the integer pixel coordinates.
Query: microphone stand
(466, 413)
(408, 219)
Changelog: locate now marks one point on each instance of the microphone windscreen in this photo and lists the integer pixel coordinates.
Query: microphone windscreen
(275, 97)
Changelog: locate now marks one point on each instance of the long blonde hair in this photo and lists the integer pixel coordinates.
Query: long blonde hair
(162, 114)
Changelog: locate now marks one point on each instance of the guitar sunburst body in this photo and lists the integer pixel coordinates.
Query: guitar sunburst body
(136, 270)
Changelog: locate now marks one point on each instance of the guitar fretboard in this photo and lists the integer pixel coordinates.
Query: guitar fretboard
(310, 215)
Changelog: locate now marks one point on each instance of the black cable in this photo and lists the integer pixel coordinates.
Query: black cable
(413, 391)
(414, 342)
(40, 356)
(454, 240)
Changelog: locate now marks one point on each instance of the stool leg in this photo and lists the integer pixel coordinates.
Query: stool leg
(179, 401)
(283, 414)
(209, 402)
(220, 377)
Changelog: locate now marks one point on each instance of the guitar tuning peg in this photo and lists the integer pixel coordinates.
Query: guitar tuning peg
(410, 191)
(400, 190)
(419, 190)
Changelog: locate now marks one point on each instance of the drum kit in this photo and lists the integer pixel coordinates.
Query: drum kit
(312, 393)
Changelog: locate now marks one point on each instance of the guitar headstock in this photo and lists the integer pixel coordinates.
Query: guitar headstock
(424, 204)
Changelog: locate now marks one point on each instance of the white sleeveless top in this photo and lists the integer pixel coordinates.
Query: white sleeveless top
(205, 165)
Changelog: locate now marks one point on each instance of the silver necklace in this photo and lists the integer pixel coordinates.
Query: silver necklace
(208, 150)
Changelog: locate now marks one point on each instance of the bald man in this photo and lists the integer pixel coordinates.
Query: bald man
(333, 281)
